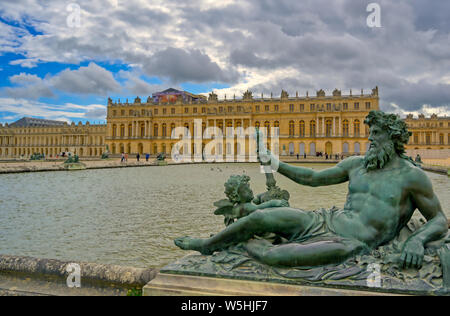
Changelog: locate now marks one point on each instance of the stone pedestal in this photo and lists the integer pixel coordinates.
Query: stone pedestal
(187, 285)
(233, 272)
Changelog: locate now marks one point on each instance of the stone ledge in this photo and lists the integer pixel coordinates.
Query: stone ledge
(48, 276)
(188, 285)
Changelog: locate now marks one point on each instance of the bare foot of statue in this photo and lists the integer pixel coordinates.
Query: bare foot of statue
(189, 243)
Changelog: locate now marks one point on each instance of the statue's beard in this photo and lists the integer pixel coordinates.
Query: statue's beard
(379, 156)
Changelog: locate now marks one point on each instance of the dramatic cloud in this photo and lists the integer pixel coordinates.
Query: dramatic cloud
(65, 112)
(180, 65)
(29, 87)
(92, 79)
(262, 45)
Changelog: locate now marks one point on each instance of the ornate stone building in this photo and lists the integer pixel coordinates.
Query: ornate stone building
(428, 133)
(308, 124)
(31, 135)
(332, 124)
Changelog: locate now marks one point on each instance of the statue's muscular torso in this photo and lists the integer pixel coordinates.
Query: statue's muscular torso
(379, 202)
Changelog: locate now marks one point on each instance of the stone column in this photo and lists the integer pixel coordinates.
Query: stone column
(334, 126)
(323, 126)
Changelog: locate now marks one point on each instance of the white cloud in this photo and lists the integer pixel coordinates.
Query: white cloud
(261, 45)
(25, 107)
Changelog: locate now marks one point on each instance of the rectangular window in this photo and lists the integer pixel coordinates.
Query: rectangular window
(164, 111)
(328, 106)
(203, 110)
(156, 111)
(230, 109)
(367, 105)
(195, 110)
(276, 108)
(257, 108)
(172, 110)
(267, 108)
(345, 106)
(186, 110)
(302, 107)
(356, 106)
(312, 107)
(220, 109)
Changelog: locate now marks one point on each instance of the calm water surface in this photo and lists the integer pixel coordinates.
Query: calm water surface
(130, 216)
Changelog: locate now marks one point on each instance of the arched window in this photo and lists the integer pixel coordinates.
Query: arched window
(345, 128)
(328, 127)
(172, 129)
(186, 129)
(130, 130)
(302, 149)
(312, 149)
(122, 130)
(345, 148)
(291, 128)
(155, 130)
(267, 127)
(114, 130)
(356, 128)
(312, 130)
(302, 129)
(164, 131)
(276, 126)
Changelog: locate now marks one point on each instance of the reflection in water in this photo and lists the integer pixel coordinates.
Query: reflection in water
(131, 216)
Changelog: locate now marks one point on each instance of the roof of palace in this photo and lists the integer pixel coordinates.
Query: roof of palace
(35, 122)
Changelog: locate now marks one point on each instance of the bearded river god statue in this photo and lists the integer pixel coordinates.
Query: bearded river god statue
(371, 242)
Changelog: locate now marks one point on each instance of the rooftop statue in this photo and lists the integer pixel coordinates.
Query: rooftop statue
(385, 189)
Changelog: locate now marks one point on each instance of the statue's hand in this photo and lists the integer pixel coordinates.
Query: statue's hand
(412, 254)
(264, 155)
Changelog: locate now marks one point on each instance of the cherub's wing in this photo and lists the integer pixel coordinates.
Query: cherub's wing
(224, 207)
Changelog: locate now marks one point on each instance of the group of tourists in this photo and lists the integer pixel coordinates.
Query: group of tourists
(326, 155)
(124, 157)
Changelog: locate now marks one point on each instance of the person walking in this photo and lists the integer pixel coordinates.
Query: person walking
(138, 157)
(147, 156)
(122, 157)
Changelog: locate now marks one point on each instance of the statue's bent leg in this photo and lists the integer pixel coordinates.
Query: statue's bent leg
(284, 221)
(314, 253)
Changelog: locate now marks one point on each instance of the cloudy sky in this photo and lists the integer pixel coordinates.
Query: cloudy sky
(62, 59)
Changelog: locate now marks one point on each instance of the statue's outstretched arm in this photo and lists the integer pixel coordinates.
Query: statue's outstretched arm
(335, 175)
(305, 176)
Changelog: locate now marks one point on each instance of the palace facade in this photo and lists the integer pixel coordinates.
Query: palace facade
(332, 124)
(428, 133)
(329, 124)
(30, 135)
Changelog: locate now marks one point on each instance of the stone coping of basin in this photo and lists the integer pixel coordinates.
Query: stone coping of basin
(90, 272)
